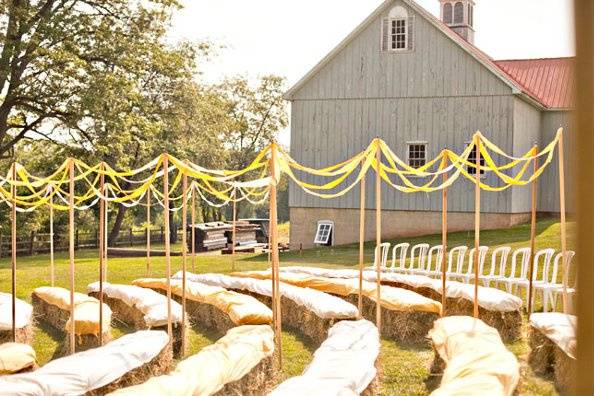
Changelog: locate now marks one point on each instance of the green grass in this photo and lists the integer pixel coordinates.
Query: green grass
(405, 368)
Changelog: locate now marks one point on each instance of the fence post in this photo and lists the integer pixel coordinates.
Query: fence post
(1, 241)
(76, 240)
(31, 243)
(162, 235)
(131, 238)
(96, 238)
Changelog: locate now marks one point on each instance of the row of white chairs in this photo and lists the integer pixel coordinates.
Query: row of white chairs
(426, 260)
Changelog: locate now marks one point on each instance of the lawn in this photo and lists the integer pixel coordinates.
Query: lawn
(405, 367)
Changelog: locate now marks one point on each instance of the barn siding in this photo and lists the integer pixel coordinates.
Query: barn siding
(527, 132)
(329, 136)
(548, 199)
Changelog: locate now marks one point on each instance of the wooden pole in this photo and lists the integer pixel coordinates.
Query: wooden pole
(274, 255)
(563, 220)
(184, 259)
(444, 239)
(233, 231)
(101, 248)
(14, 250)
(361, 245)
(148, 232)
(584, 174)
(532, 238)
(378, 238)
(167, 240)
(194, 228)
(477, 221)
(71, 254)
(106, 241)
(51, 241)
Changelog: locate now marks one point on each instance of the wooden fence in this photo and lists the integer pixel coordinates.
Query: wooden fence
(36, 243)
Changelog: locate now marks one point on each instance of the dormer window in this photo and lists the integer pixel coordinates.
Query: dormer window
(397, 31)
(459, 12)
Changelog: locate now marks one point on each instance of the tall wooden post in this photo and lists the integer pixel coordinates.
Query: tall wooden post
(51, 241)
(361, 245)
(532, 238)
(184, 257)
(101, 248)
(167, 240)
(477, 220)
(148, 232)
(584, 174)
(193, 215)
(71, 253)
(563, 220)
(273, 247)
(444, 239)
(234, 229)
(378, 237)
(14, 249)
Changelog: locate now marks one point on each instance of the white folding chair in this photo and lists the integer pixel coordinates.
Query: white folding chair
(514, 277)
(551, 293)
(436, 251)
(421, 257)
(496, 272)
(400, 258)
(384, 250)
(469, 274)
(460, 253)
(524, 283)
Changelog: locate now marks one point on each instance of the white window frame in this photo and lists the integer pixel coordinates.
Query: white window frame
(416, 143)
(470, 169)
(393, 37)
(322, 238)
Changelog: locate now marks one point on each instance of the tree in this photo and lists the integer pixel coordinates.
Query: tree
(55, 54)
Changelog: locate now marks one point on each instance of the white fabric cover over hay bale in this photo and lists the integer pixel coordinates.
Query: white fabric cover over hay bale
(322, 304)
(344, 365)
(89, 370)
(23, 323)
(15, 357)
(477, 361)
(310, 311)
(553, 347)
(86, 310)
(240, 308)
(241, 351)
(153, 305)
(496, 307)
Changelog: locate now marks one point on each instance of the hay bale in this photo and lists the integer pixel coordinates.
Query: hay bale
(547, 359)
(565, 369)
(408, 327)
(159, 365)
(135, 317)
(24, 335)
(509, 324)
(374, 386)
(57, 318)
(259, 381)
(298, 317)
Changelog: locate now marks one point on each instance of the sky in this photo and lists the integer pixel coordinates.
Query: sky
(288, 38)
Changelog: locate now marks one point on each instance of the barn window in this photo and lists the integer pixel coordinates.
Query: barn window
(417, 154)
(324, 233)
(397, 31)
(458, 12)
(472, 159)
(447, 13)
(470, 15)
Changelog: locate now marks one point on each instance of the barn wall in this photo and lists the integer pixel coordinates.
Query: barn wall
(549, 181)
(527, 131)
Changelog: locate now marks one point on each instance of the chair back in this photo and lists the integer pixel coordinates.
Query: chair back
(547, 256)
(384, 250)
(436, 251)
(481, 260)
(399, 253)
(421, 250)
(503, 253)
(525, 257)
(460, 253)
(569, 254)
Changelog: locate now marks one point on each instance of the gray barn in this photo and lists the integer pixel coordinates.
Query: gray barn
(420, 84)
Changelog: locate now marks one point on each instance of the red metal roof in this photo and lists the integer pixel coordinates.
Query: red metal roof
(549, 80)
